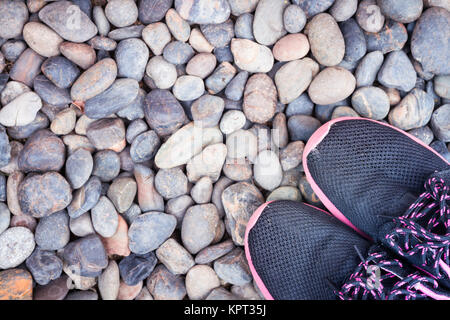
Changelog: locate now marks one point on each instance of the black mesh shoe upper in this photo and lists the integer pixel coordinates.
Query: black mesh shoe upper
(367, 169)
(296, 249)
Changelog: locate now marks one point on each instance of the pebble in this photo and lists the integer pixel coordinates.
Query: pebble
(20, 111)
(13, 16)
(178, 52)
(16, 284)
(442, 86)
(233, 268)
(158, 105)
(86, 256)
(85, 198)
(55, 290)
(106, 165)
(232, 121)
(237, 169)
(235, 88)
(83, 55)
(131, 57)
(156, 36)
(45, 266)
(109, 281)
(429, 40)
(440, 123)
(343, 111)
(368, 68)
(291, 47)
(16, 245)
(260, 97)
(82, 295)
(127, 292)
(164, 285)
(12, 186)
(121, 13)
(343, 9)
(81, 226)
(326, 40)
(179, 27)
(175, 257)
(355, 41)
(100, 20)
(133, 31)
(218, 35)
(135, 268)
(203, 11)
(12, 49)
(60, 71)
(239, 7)
(397, 72)
(267, 170)
(285, 193)
(243, 26)
(331, 85)
(201, 192)
(251, 56)
(178, 206)
(117, 245)
(401, 11)
(5, 148)
(200, 281)
(134, 110)
(220, 78)
(50, 93)
(107, 134)
(198, 41)
(95, 80)
(163, 73)
(27, 67)
(369, 16)
(371, 102)
(24, 221)
(59, 16)
(5, 217)
(201, 65)
(391, 37)
(214, 252)
(141, 241)
(171, 183)
(291, 155)
(268, 21)
(52, 232)
(42, 39)
(144, 146)
(122, 192)
(42, 195)
(294, 19)
(240, 200)
(188, 88)
(425, 134)
(207, 110)
(413, 111)
(148, 197)
(104, 217)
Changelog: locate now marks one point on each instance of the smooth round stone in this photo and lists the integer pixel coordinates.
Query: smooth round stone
(107, 134)
(355, 41)
(251, 56)
(60, 17)
(178, 206)
(135, 128)
(83, 55)
(121, 13)
(50, 93)
(5, 217)
(391, 37)
(218, 35)
(260, 97)
(64, 122)
(233, 268)
(127, 292)
(241, 144)
(61, 71)
(291, 155)
(268, 21)
(367, 69)
(211, 253)
(79, 167)
(106, 165)
(100, 20)
(148, 231)
(429, 41)
(188, 88)
(179, 27)
(369, 16)
(442, 86)
(301, 127)
(15, 178)
(45, 266)
(293, 78)
(117, 245)
(104, 218)
(203, 11)
(441, 148)
(81, 226)
(326, 40)
(279, 131)
(42, 195)
(171, 183)
(153, 10)
(243, 26)
(198, 41)
(164, 285)
(178, 52)
(122, 192)
(52, 232)
(201, 65)
(291, 47)
(371, 102)
(2, 188)
(220, 78)
(413, 111)
(267, 170)
(240, 200)
(73, 142)
(16, 245)
(209, 162)
(43, 151)
(331, 85)
(440, 123)
(343, 9)
(133, 31)
(200, 280)
(343, 111)
(397, 72)
(135, 268)
(163, 112)
(109, 281)
(131, 57)
(20, 111)
(95, 80)
(12, 90)
(135, 109)
(42, 39)
(16, 284)
(156, 36)
(237, 169)
(239, 7)
(13, 16)
(313, 7)
(294, 19)
(232, 121)
(5, 148)
(201, 192)
(12, 49)
(176, 258)
(424, 134)
(144, 146)
(235, 88)
(86, 256)
(401, 11)
(103, 44)
(85, 198)
(207, 110)
(163, 73)
(301, 105)
(27, 67)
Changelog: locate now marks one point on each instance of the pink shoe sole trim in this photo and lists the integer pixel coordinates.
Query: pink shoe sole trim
(431, 293)
(251, 223)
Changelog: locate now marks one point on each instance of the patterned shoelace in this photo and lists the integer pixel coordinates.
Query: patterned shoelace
(422, 234)
(379, 277)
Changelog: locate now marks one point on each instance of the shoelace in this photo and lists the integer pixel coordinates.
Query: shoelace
(374, 279)
(422, 234)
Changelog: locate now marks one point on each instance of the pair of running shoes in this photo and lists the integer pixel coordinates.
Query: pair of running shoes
(386, 235)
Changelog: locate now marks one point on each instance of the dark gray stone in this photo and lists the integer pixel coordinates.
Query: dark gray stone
(440, 123)
(441, 148)
(355, 42)
(391, 37)
(135, 128)
(207, 110)
(106, 165)
(218, 35)
(2, 188)
(107, 134)
(243, 26)
(126, 32)
(233, 268)
(235, 88)
(371, 102)
(164, 285)
(171, 183)
(50, 93)
(79, 168)
(178, 52)
(144, 146)
(85, 198)
(397, 72)
(367, 70)
(403, 11)
(136, 268)
(52, 232)
(24, 132)
(5, 148)
(301, 105)
(61, 71)
(219, 79)
(313, 7)
(223, 54)
(45, 266)
(153, 10)
(134, 110)
(301, 127)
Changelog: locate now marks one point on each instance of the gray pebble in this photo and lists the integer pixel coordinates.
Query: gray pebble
(233, 268)
(106, 165)
(132, 56)
(202, 190)
(122, 192)
(45, 266)
(440, 123)
(367, 70)
(16, 245)
(101, 21)
(135, 128)
(178, 52)
(119, 34)
(102, 44)
(171, 183)
(79, 168)
(218, 35)
(371, 102)
(121, 13)
(5, 147)
(153, 10)
(13, 15)
(220, 78)
(424, 134)
(207, 110)
(52, 232)
(50, 93)
(397, 72)
(203, 11)
(164, 285)
(12, 49)
(144, 146)
(188, 88)
(5, 216)
(178, 206)
(85, 198)
(301, 127)
(243, 27)
(294, 19)
(176, 258)
(81, 226)
(104, 218)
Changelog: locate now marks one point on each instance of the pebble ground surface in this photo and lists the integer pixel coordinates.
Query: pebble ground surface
(138, 137)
